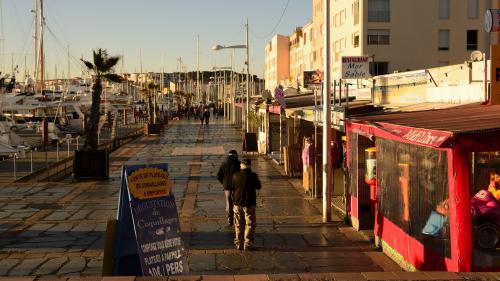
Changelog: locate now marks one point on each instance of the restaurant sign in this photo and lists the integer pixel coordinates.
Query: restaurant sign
(357, 67)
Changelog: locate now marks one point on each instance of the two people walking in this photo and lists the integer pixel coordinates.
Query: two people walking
(240, 188)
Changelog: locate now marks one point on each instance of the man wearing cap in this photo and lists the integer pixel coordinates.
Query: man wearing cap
(245, 184)
(225, 177)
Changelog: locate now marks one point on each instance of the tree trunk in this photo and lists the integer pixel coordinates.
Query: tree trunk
(93, 126)
(150, 107)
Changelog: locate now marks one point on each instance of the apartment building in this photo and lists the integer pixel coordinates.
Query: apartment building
(296, 58)
(404, 35)
(277, 61)
(317, 34)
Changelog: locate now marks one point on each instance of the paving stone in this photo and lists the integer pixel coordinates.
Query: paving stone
(251, 277)
(57, 216)
(51, 266)
(339, 276)
(202, 262)
(231, 262)
(26, 267)
(218, 278)
(283, 277)
(380, 276)
(6, 265)
(289, 261)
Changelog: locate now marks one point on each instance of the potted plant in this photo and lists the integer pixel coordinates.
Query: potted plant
(90, 161)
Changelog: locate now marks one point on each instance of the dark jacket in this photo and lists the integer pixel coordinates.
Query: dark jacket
(227, 170)
(245, 183)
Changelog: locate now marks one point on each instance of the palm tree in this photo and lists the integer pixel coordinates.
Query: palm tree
(148, 91)
(101, 68)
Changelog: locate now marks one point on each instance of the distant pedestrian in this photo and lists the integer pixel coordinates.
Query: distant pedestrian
(206, 115)
(245, 185)
(225, 176)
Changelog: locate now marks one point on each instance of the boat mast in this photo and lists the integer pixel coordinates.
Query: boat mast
(42, 55)
(35, 45)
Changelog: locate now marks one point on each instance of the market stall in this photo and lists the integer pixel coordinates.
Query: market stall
(434, 204)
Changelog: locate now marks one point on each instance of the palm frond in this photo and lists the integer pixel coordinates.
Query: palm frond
(100, 56)
(113, 77)
(88, 64)
(110, 63)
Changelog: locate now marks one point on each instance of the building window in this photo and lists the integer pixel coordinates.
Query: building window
(355, 12)
(444, 9)
(444, 40)
(472, 40)
(379, 68)
(378, 37)
(355, 40)
(379, 11)
(473, 11)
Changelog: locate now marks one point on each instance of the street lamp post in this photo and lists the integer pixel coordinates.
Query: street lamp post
(246, 46)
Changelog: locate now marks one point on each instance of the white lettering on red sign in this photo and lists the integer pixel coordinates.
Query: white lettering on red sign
(420, 137)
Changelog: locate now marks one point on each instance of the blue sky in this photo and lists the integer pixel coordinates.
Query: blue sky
(163, 30)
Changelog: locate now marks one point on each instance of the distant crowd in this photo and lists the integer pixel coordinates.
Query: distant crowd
(201, 112)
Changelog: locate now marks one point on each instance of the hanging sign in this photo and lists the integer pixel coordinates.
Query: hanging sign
(356, 67)
(492, 20)
(148, 239)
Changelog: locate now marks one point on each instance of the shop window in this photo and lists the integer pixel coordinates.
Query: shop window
(379, 36)
(444, 9)
(473, 9)
(413, 192)
(444, 40)
(485, 196)
(379, 11)
(471, 40)
(355, 40)
(379, 68)
(355, 11)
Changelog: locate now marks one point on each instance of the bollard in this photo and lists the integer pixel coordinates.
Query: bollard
(15, 172)
(31, 164)
(57, 151)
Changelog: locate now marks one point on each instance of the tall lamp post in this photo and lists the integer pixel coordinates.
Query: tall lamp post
(246, 46)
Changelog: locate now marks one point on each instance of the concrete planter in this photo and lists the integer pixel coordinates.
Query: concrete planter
(91, 165)
(153, 129)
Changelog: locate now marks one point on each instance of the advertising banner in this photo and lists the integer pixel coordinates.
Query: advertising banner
(148, 238)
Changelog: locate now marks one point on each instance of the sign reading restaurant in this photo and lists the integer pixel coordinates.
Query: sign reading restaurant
(356, 67)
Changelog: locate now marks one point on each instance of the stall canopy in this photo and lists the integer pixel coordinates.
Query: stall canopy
(468, 124)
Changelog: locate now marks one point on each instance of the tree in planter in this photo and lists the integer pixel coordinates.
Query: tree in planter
(152, 87)
(102, 69)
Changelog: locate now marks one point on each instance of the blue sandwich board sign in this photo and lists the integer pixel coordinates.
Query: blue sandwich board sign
(148, 238)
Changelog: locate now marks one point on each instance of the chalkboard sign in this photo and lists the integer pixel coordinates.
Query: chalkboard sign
(148, 239)
(250, 142)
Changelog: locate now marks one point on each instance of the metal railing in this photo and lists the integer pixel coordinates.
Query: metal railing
(64, 168)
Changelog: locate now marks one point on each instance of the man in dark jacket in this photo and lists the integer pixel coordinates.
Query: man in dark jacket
(225, 176)
(245, 184)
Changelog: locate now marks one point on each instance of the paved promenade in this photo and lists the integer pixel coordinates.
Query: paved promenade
(58, 229)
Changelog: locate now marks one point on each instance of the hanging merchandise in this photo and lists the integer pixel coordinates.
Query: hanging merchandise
(307, 162)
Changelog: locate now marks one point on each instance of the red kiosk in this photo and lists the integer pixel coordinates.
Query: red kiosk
(429, 167)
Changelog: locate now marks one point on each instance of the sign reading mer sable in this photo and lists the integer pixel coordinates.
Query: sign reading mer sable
(355, 67)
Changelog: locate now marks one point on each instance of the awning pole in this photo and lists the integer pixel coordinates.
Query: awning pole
(327, 137)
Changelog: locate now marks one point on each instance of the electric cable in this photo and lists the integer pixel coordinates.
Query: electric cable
(275, 26)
